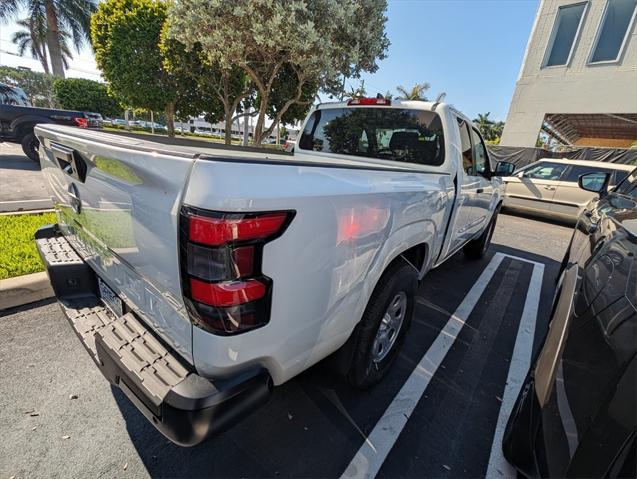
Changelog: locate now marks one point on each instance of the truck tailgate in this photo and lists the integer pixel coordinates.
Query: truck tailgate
(118, 205)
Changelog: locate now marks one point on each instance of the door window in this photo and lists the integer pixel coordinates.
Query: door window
(480, 156)
(576, 171)
(545, 171)
(465, 146)
(629, 186)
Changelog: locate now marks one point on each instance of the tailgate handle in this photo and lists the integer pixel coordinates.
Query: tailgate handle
(70, 161)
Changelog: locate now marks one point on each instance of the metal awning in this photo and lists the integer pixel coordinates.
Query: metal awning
(567, 128)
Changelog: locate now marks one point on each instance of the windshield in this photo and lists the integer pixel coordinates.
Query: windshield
(11, 95)
(411, 136)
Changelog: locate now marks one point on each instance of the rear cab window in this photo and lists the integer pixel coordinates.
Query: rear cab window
(395, 134)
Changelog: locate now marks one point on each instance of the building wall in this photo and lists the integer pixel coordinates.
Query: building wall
(575, 88)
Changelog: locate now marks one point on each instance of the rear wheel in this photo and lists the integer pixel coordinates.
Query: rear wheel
(477, 248)
(30, 145)
(381, 331)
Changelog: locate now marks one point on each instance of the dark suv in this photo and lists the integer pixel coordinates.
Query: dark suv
(576, 414)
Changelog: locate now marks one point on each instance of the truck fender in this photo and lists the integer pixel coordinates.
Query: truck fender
(420, 233)
(399, 242)
(24, 124)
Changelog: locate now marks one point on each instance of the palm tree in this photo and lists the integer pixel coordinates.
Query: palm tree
(485, 125)
(415, 93)
(33, 39)
(72, 16)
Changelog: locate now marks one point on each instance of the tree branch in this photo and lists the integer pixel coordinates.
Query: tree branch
(286, 106)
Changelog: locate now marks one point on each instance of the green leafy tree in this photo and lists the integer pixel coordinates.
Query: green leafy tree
(127, 39)
(416, 92)
(85, 95)
(71, 16)
(285, 83)
(32, 37)
(318, 40)
(38, 86)
(219, 92)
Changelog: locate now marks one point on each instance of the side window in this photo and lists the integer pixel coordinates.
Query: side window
(465, 147)
(628, 187)
(578, 170)
(480, 156)
(545, 171)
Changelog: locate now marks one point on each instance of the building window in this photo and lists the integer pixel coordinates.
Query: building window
(612, 35)
(567, 26)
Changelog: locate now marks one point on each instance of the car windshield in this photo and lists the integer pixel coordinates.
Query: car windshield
(411, 136)
(10, 95)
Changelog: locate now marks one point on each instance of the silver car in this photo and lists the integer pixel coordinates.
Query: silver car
(549, 186)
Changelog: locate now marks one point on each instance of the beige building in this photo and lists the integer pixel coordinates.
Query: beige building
(578, 81)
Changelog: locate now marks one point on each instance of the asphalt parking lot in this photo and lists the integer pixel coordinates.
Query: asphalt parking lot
(21, 184)
(439, 413)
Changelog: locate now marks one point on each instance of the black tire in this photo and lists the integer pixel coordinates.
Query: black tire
(30, 145)
(477, 248)
(364, 370)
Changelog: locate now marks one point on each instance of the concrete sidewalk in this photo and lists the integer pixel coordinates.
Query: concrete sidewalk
(22, 186)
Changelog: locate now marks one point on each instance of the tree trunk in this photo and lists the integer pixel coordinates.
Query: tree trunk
(170, 119)
(41, 53)
(246, 129)
(257, 134)
(53, 39)
(227, 139)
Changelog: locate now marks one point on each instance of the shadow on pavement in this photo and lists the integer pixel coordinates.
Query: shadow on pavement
(314, 424)
(16, 162)
(542, 219)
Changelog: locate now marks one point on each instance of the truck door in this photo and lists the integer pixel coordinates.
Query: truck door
(466, 217)
(484, 192)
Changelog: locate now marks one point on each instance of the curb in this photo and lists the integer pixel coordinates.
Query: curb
(24, 289)
(23, 206)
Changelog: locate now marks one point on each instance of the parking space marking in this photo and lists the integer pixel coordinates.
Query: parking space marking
(519, 365)
(372, 454)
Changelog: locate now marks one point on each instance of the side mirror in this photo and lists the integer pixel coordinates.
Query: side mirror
(595, 183)
(504, 168)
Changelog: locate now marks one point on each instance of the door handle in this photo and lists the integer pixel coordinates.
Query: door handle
(69, 161)
(550, 188)
(480, 190)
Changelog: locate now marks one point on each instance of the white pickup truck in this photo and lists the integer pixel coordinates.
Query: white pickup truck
(198, 278)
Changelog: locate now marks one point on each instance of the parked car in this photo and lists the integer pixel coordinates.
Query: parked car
(289, 145)
(198, 279)
(17, 122)
(576, 414)
(549, 188)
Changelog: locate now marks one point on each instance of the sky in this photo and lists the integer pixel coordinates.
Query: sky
(470, 49)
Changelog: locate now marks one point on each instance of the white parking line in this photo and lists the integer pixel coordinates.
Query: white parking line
(370, 457)
(520, 363)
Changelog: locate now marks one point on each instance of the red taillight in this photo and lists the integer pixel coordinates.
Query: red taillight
(218, 231)
(370, 101)
(229, 294)
(224, 287)
(81, 122)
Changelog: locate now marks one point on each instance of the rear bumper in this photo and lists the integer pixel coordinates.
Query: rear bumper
(183, 406)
